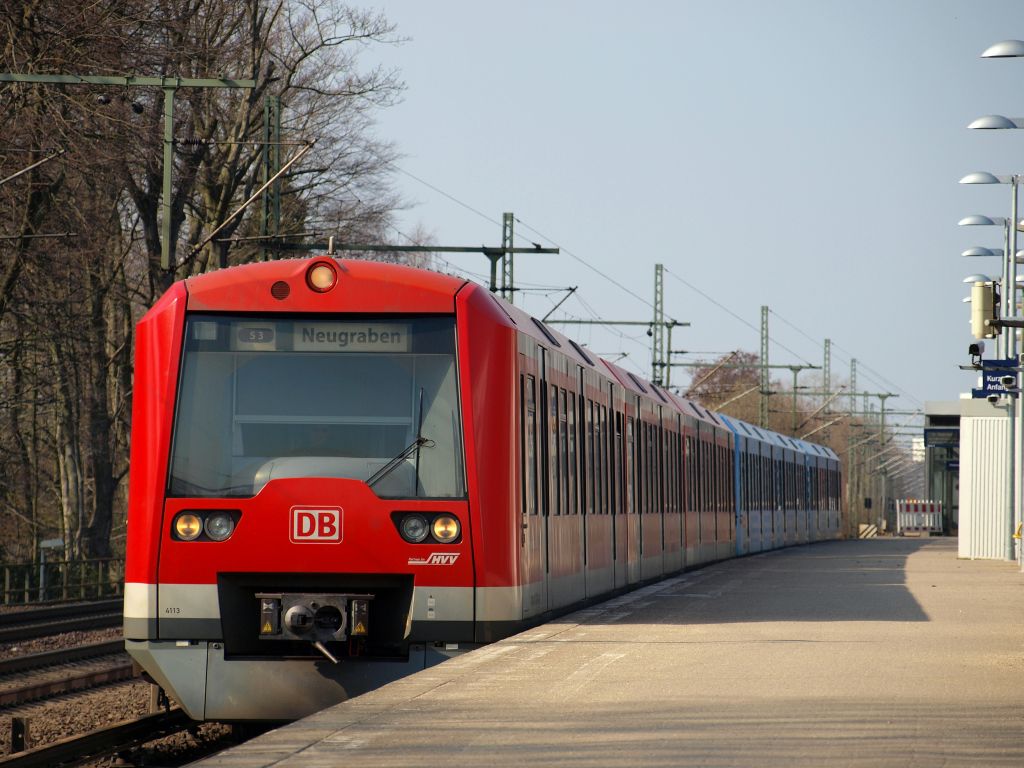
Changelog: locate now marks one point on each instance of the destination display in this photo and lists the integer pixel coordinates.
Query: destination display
(350, 337)
(302, 336)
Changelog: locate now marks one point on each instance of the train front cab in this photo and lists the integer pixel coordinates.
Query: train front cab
(209, 607)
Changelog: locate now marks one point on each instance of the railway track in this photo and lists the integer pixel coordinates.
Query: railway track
(62, 656)
(54, 673)
(101, 742)
(17, 626)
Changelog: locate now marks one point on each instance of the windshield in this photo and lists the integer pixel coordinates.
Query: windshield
(261, 399)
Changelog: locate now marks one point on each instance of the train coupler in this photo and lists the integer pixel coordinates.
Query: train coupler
(314, 618)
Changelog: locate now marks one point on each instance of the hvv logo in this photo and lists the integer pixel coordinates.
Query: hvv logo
(436, 558)
(315, 526)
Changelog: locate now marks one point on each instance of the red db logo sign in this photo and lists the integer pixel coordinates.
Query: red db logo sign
(315, 526)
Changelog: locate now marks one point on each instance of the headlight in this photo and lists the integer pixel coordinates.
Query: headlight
(321, 277)
(219, 526)
(414, 528)
(445, 529)
(188, 526)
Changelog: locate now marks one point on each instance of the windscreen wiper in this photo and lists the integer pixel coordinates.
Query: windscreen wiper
(388, 468)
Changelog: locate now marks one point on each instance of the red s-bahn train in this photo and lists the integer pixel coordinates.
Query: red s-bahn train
(343, 471)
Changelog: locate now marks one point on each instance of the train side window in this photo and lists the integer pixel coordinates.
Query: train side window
(679, 469)
(657, 500)
(659, 449)
(599, 468)
(716, 478)
(670, 471)
(652, 471)
(595, 450)
(758, 490)
(563, 452)
(707, 478)
(695, 476)
(554, 444)
(630, 470)
(530, 443)
(729, 479)
(702, 474)
(606, 449)
(574, 506)
(691, 479)
(745, 481)
(617, 484)
(643, 487)
(591, 459)
(720, 474)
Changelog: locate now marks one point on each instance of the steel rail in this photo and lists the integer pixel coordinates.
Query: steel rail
(26, 625)
(101, 742)
(12, 618)
(115, 673)
(51, 658)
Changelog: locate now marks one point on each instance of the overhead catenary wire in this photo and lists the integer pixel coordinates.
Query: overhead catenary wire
(876, 377)
(870, 374)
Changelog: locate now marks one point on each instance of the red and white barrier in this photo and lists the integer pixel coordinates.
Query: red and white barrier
(914, 516)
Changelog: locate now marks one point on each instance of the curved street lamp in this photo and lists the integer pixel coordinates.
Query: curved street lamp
(981, 252)
(1007, 49)
(996, 122)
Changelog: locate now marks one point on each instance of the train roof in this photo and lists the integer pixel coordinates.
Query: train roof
(546, 335)
(281, 285)
(752, 432)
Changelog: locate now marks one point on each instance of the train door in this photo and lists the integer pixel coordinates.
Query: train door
(596, 424)
(790, 469)
(620, 503)
(741, 493)
(775, 496)
(727, 519)
(673, 521)
(764, 507)
(633, 491)
(706, 494)
(652, 501)
(533, 541)
(691, 516)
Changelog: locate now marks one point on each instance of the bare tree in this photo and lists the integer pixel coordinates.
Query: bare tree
(68, 304)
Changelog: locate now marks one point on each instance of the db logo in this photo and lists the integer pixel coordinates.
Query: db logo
(315, 525)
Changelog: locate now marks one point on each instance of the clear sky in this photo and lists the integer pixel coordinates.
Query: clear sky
(800, 154)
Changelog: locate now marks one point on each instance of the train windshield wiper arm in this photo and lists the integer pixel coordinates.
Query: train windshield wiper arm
(388, 468)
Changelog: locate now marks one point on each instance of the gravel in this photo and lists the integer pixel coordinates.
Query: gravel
(56, 642)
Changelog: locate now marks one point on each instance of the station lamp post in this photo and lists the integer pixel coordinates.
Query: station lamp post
(1010, 306)
(1008, 49)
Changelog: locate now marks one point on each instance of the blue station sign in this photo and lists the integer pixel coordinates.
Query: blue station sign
(992, 373)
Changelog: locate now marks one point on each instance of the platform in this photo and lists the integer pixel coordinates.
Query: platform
(880, 652)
